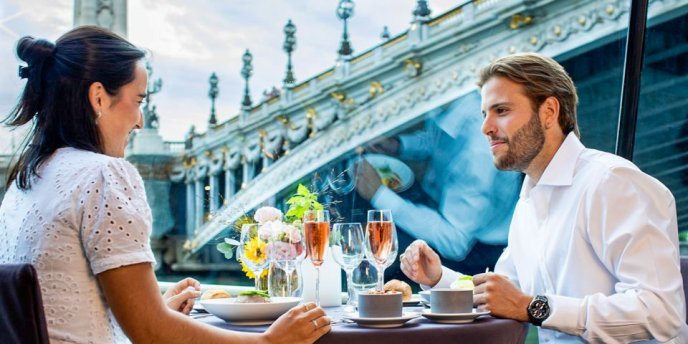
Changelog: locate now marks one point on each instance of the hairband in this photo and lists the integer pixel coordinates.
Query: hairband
(23, 72)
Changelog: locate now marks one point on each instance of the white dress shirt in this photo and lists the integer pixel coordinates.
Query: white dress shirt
(599, 238)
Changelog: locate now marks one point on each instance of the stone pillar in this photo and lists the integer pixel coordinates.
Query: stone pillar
(214, 193)
(200, 197)
(190, 207)
(229, 184)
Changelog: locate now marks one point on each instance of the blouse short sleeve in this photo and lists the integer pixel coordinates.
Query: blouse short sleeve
(115, 217)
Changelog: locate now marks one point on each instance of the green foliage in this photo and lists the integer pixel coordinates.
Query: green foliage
(683, 236)
(227, 247)
(301, 202)
(465, 278)
(263, 293)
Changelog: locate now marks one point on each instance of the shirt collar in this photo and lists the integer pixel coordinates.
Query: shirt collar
(559, 171)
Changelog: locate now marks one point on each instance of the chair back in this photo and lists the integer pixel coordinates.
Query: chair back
(22, 318)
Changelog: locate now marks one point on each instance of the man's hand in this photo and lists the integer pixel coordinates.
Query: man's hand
(497, 294)
(181, 296)
(386, 145)
(421, 264)
(367, 180)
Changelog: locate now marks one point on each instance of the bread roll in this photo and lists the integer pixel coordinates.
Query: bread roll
(400, 286)
(215, 294)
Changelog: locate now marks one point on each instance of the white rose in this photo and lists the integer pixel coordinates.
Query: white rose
(267, 214)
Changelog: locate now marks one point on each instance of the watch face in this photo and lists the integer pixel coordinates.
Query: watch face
(539, 309)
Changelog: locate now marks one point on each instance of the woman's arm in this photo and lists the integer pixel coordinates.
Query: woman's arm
(132, 293)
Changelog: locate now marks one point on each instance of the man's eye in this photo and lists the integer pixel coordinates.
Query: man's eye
(502, 110)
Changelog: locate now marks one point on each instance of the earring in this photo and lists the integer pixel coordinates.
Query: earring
(98, 114)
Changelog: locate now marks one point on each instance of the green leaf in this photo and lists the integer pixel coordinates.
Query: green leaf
(318, 206)
(465, 278)
(229, 255)
(232, 242)
(224, 248)
(302, 190)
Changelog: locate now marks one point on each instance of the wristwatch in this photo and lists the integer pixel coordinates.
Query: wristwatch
(538, 310)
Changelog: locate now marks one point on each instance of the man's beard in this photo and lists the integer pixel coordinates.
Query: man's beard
(523, 147)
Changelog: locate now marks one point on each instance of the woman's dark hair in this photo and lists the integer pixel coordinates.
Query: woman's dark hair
(56, 96)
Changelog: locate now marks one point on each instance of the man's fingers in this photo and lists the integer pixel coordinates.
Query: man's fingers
(480, 278)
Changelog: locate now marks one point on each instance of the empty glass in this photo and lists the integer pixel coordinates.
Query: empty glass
(286, 249)
(346, 243)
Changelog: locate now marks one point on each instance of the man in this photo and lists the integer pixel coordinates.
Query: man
(463, 205)
(593, 248)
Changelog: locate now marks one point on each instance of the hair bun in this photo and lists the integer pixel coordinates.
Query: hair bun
(34, 51)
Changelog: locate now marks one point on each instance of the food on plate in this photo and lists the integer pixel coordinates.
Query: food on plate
(389, 178)
(400, 286)
(215, 294)
(254, 296)
(463, 282)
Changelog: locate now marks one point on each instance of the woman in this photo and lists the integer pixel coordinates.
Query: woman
(77, 211)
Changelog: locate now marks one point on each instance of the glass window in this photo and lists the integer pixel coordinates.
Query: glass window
(661, 143)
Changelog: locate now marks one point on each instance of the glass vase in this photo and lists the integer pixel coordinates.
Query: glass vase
(279, 286)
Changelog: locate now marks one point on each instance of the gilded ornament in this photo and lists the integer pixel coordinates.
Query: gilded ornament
(557, 30)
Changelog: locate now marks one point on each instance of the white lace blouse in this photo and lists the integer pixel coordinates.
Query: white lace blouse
(87, 213)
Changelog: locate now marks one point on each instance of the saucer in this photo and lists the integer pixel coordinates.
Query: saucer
(383, 322)
(453, 318)
(414, 301)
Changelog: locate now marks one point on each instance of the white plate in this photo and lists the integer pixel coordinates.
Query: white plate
(456, 318)
(249, 313)
(402, 170)
(198, 307)
(382, 322)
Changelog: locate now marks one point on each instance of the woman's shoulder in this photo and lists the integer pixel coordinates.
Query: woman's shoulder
(95, 166)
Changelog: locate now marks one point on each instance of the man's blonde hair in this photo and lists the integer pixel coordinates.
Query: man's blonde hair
(541, 77)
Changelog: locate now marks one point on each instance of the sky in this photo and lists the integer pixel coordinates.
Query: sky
(189, 40)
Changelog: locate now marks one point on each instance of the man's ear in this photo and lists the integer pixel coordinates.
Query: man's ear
(97, 96)
(549, 112)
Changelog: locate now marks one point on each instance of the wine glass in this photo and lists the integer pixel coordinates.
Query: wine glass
(287, 249)
(346, 243)
(379, 238)
(316, 228)
(252, 251)
(394, 251)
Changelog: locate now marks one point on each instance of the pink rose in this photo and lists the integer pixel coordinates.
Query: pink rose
(267, 214)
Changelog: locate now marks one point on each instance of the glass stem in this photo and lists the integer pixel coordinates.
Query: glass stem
(288, 273)
(380, 277)
(350, 287)
(257, 279)
(317, 286)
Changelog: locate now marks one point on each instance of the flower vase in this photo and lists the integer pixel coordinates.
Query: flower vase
(263, 281)
(277, 282)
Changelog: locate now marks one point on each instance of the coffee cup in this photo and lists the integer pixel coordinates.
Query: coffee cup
(379, 305)
(451, 301)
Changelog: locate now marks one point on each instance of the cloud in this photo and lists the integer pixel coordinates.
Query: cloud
(190, 40)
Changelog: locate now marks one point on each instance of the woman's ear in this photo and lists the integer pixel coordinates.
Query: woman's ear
(96, 96)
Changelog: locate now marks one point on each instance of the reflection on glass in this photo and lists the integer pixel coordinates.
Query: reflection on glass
(363, 277)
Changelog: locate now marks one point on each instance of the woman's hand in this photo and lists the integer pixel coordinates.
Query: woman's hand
(302, 324)
(181, 296)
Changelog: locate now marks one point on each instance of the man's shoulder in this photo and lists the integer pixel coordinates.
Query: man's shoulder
(610, 169)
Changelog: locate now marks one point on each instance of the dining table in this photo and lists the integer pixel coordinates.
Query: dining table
(484, 329)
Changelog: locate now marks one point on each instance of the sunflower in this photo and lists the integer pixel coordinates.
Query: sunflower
(255, 250)
(250, 274)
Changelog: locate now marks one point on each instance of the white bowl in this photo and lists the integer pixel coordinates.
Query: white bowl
(230, 311)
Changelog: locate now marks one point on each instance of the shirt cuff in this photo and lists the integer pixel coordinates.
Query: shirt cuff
(564, 314)
(411, 147)
(384, 198)
(448, 276)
